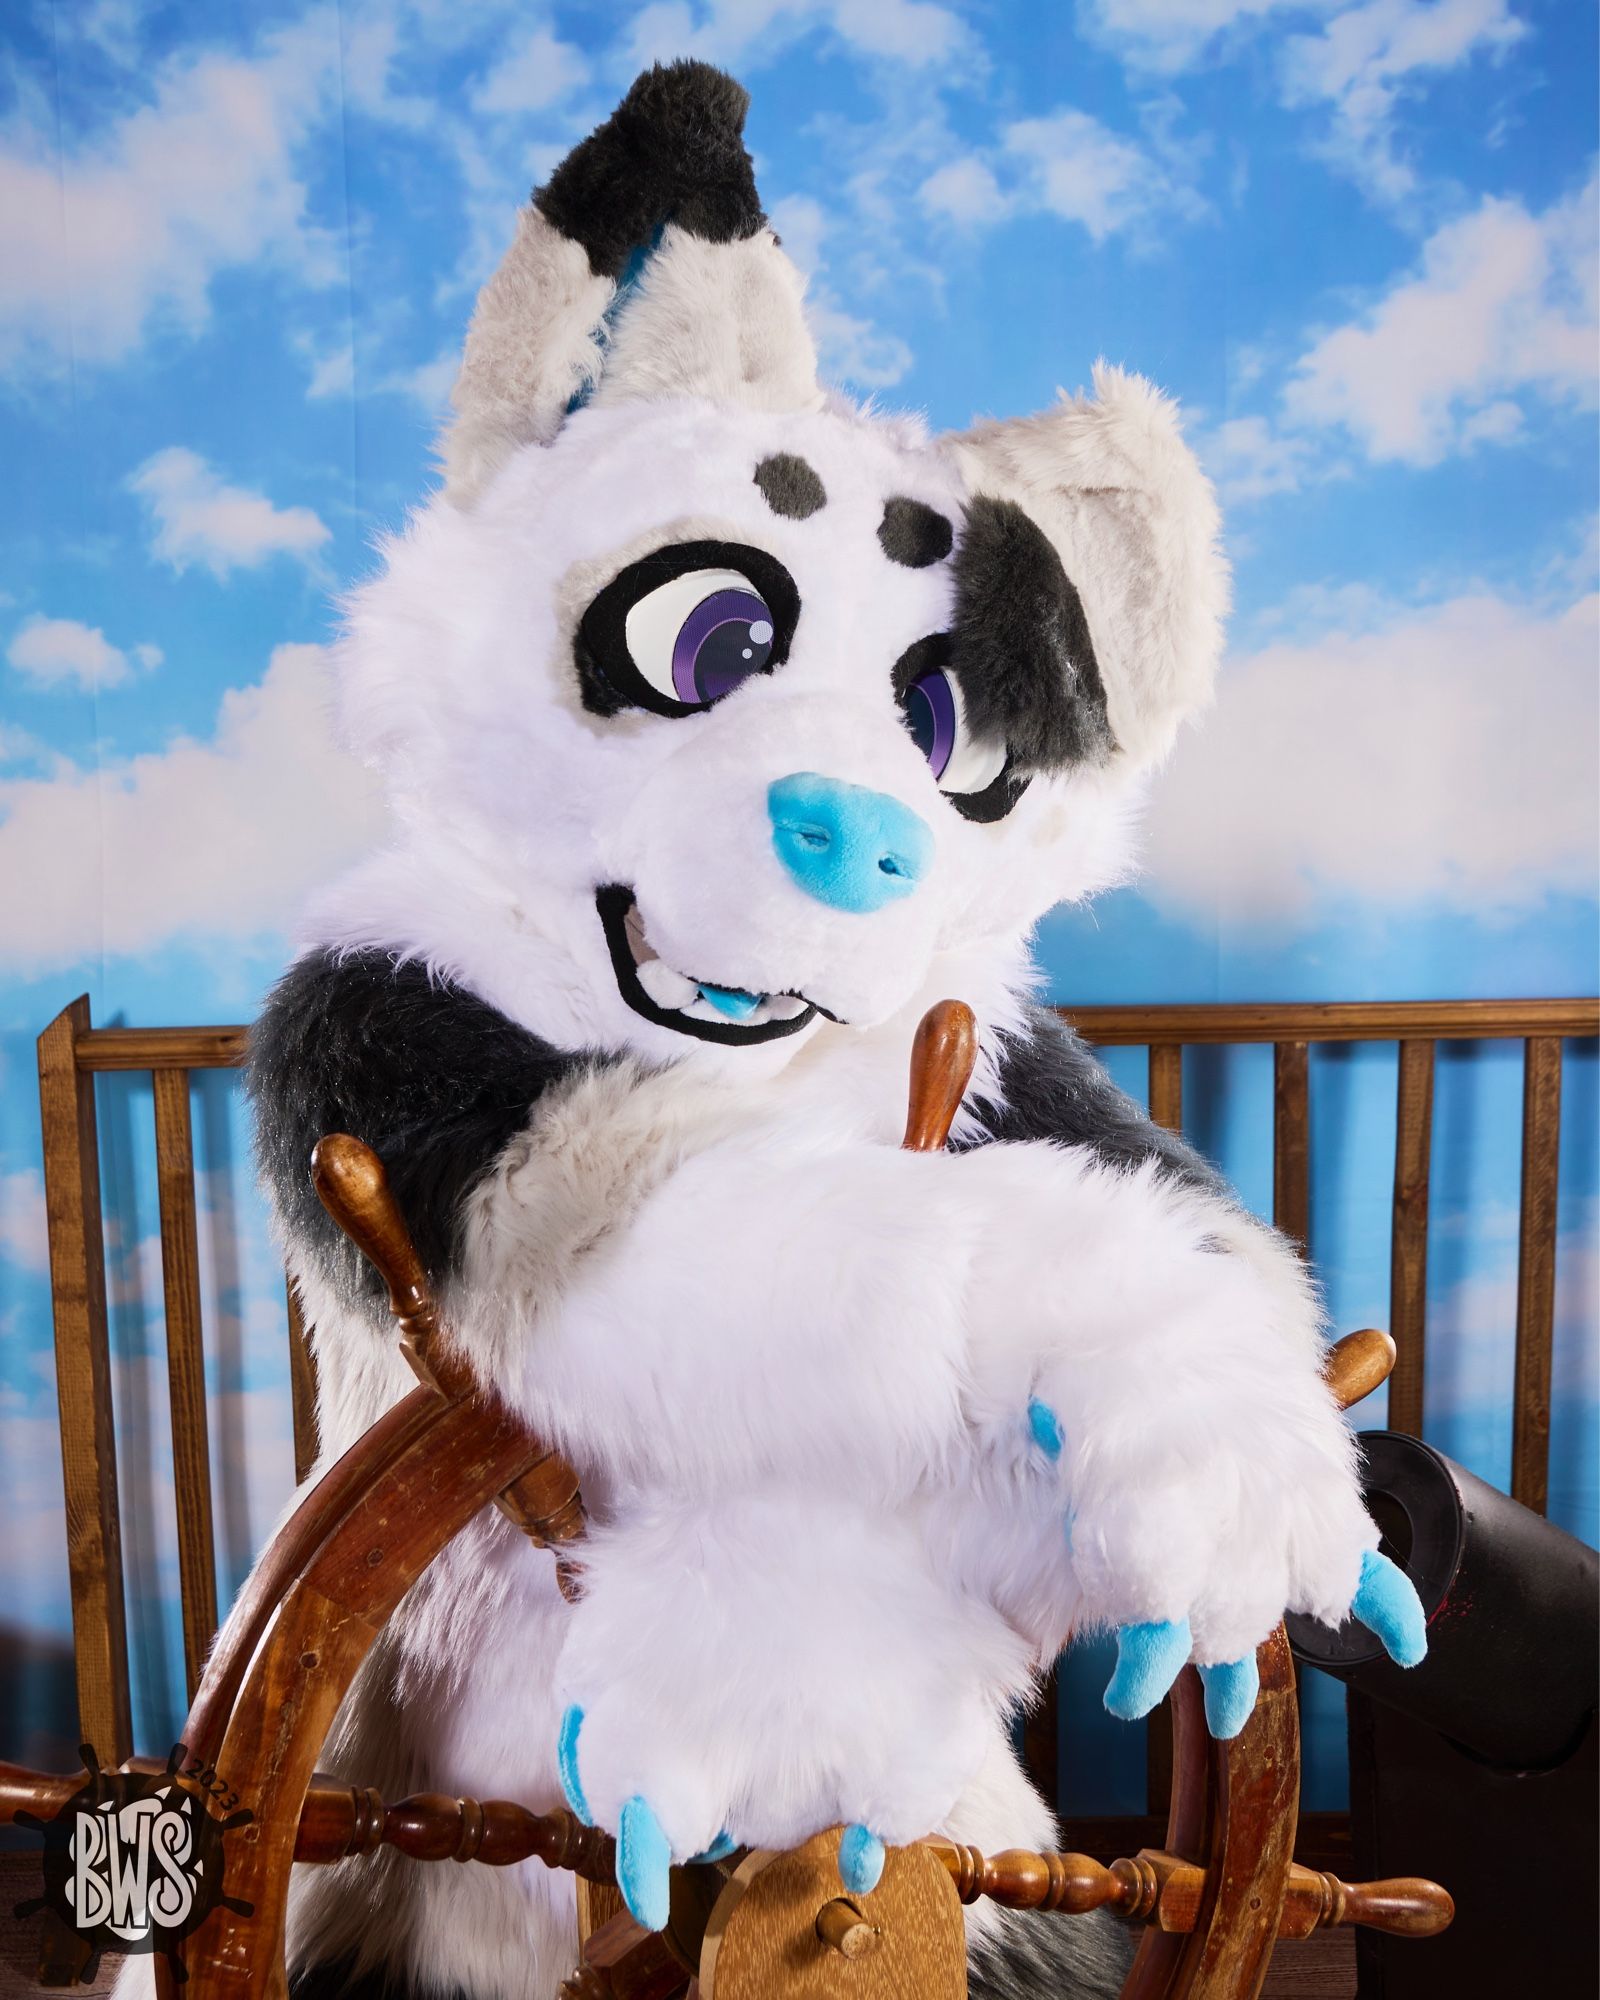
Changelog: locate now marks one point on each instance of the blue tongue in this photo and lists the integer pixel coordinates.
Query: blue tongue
(733, 1002)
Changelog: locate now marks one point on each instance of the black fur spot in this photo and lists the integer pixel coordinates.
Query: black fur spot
(432, 1078)
(790, 487)
(1032, 1956)
(914, 534)
(1022, 648)
(672, 151)
(1056, 1089)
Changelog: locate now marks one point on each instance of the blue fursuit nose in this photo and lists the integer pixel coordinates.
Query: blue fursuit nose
(849, 847)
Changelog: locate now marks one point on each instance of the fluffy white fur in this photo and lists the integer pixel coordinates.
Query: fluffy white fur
(534, 344)
(717, 320)
(791, 1362)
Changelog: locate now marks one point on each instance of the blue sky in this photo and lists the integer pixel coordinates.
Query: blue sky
(1355, 237)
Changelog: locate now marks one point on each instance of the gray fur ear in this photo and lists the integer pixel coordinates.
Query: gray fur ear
(644, 267)
(1134, 522)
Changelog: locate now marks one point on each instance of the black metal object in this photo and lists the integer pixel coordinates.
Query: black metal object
(1479, 1768)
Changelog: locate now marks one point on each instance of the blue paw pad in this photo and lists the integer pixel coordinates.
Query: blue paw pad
(719, 1850)
(1231, 1692)
(1046, 1428)
(1149, 1659)
(567, 1764)
(644, 1865)
(861, 1856)
(1388, 1605)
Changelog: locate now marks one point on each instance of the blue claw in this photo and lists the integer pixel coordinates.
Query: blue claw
(1046, 1428)
(1231, 1692)
(1388, 1605)
(567, 1764)
(719, 1850)
(861, 1856)
(644, 1863)
(1149, 1660)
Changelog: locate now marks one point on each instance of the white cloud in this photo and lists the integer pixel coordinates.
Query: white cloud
(101, 237)
(199, 518)
(1084, 172)
(429, 385)
(917, 33)
(1358, 63)
(19, 746)
(1443, 755)
(966, 191)
(1504, 304)
(1249, 460)
(1470, 1355)
(1070, 165)
(1169, 35)
(1363, 59)
(333, 369)
(534, 72)
(218, 839)
(54, 651)
(849, 348)
(23, 1236)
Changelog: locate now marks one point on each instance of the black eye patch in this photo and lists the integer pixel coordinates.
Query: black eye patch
(1021, 645)
(914, 534)
(644, 643)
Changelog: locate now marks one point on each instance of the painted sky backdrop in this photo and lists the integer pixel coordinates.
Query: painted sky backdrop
(238, 247)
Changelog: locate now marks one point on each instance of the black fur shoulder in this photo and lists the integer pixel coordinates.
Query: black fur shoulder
(432, 1078)
(1055, 1088)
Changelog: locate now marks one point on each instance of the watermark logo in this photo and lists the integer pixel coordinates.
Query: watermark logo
(133, 1860)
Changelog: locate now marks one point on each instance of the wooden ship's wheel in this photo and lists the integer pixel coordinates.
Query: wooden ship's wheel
(758, 1926)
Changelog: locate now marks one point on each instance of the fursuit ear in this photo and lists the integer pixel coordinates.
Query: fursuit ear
(1133, 521)
(643, 267)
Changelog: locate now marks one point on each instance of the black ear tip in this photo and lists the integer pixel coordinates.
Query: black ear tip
(672, 151)
(688, 95)
(687, 103)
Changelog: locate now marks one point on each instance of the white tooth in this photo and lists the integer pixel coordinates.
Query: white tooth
(666, 987)
(784, 1006)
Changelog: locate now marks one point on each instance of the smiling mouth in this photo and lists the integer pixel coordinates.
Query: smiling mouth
(689, 1006)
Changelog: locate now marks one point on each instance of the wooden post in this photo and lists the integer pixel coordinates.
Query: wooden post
(1536, 1270)
(1408, 1255)
(1291, 1141)
(186, 1369)
(83, 1384)
(302, 1385)
(1166, 1085)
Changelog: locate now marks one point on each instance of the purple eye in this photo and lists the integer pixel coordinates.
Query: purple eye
(931, 716)
(725, 638)
(962, 763)
(695, 638)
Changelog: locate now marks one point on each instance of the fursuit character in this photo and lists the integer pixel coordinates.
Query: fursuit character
(726, 726)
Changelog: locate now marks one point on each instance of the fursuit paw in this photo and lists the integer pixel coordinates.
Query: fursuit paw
(1150, 1656)
(861, 1859)
(645, 1849)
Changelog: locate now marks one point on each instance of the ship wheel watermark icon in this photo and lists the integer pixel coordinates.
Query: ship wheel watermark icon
(133, 1860)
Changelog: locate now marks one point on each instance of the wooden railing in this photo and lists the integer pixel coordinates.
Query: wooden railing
(72, 1052)
(1417, 1026)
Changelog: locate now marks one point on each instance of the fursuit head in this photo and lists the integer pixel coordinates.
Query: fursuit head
(726, 725)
